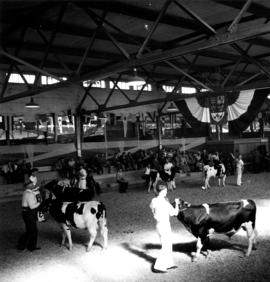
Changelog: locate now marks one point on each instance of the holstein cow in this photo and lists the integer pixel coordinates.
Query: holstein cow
(211, 171)
(89, 215)
(227, 218)
(155, 176)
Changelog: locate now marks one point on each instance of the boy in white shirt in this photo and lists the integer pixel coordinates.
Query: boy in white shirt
(162, 210)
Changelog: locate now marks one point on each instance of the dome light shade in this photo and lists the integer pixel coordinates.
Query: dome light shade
(136, 79)
(32, 104)
(172, 108)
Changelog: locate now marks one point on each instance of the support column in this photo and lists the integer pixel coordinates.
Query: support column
(78, 133)
(8, 129)
(55, 123)
(159, 132)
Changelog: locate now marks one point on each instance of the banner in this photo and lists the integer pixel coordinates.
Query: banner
(239, 108)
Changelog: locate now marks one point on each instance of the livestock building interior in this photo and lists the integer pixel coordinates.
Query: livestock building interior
(91, 80)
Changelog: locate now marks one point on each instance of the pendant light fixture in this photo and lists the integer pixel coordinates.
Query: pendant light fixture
(32, 104)
(136, 79)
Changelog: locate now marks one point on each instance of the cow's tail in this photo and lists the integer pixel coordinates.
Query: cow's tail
(102, 220)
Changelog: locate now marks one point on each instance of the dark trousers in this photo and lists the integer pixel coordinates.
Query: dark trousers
(29, 238)
(123, 186)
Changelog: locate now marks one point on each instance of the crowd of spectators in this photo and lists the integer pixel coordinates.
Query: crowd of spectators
(15, 171)
(186, 161)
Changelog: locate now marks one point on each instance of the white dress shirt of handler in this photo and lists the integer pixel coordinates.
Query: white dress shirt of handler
(162, 210)
(82, 177)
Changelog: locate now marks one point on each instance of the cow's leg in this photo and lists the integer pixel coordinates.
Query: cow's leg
(255, 238)
(206, 182)
(67, 232)
(150, 185)
(63, 236)
(251, 236)
(93, 235)
(104, 234)
(199, 246)
(223, 180)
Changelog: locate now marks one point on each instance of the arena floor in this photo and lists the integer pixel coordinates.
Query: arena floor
(133, 242)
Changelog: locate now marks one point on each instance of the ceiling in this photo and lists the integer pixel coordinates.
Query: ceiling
(208, 44)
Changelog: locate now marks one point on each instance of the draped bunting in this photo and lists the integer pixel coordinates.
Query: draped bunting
(238, 108)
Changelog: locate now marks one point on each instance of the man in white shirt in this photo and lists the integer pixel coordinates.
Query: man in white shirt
(29, 213)
(162, 210)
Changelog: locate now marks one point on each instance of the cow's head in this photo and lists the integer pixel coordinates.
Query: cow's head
(182, 204)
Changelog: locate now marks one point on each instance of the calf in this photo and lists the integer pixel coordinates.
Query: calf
(89, 215)
(211, 171)
(155, 176)
(228, 217)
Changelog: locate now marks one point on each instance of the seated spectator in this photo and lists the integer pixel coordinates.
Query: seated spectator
(123, 183)
(131, 161)
(92, 184)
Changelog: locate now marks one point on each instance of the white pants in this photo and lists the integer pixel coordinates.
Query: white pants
(238, 176)
(165, 257)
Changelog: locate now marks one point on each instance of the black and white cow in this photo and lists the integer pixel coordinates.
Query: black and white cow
(211, 171)
(155, 176)
(90, 215)
(227, 218)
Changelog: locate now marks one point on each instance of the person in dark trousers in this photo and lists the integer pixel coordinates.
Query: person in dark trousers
(30, 204)
(123, 183)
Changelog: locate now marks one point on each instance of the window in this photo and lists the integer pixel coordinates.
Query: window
(167, 88)
(46, 80)
(16, 78)
(96, 84)
(188, 90)
(139, 86)
(121, 84)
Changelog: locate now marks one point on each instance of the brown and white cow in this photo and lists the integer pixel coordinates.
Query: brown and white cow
(89, 215)
(211, 171)
(227, 218)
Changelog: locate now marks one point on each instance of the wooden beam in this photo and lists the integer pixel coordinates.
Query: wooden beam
(156, 57)
(207, 27)
(28, 64)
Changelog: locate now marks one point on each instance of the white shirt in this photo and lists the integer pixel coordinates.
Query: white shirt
(239, 163)
(29, 199)
(83, 174)
(147, 170)
(162, 209)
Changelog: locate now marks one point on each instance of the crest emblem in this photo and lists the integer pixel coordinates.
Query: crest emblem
(218, 109)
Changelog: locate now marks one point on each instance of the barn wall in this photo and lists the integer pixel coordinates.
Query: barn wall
(62, 99)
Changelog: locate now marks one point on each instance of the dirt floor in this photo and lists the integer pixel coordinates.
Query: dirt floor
(134, 244)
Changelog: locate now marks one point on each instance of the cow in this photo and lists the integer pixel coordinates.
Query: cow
(62, 191)
(226, 218)
(90, 215)
(156, 175)
(211, 171)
